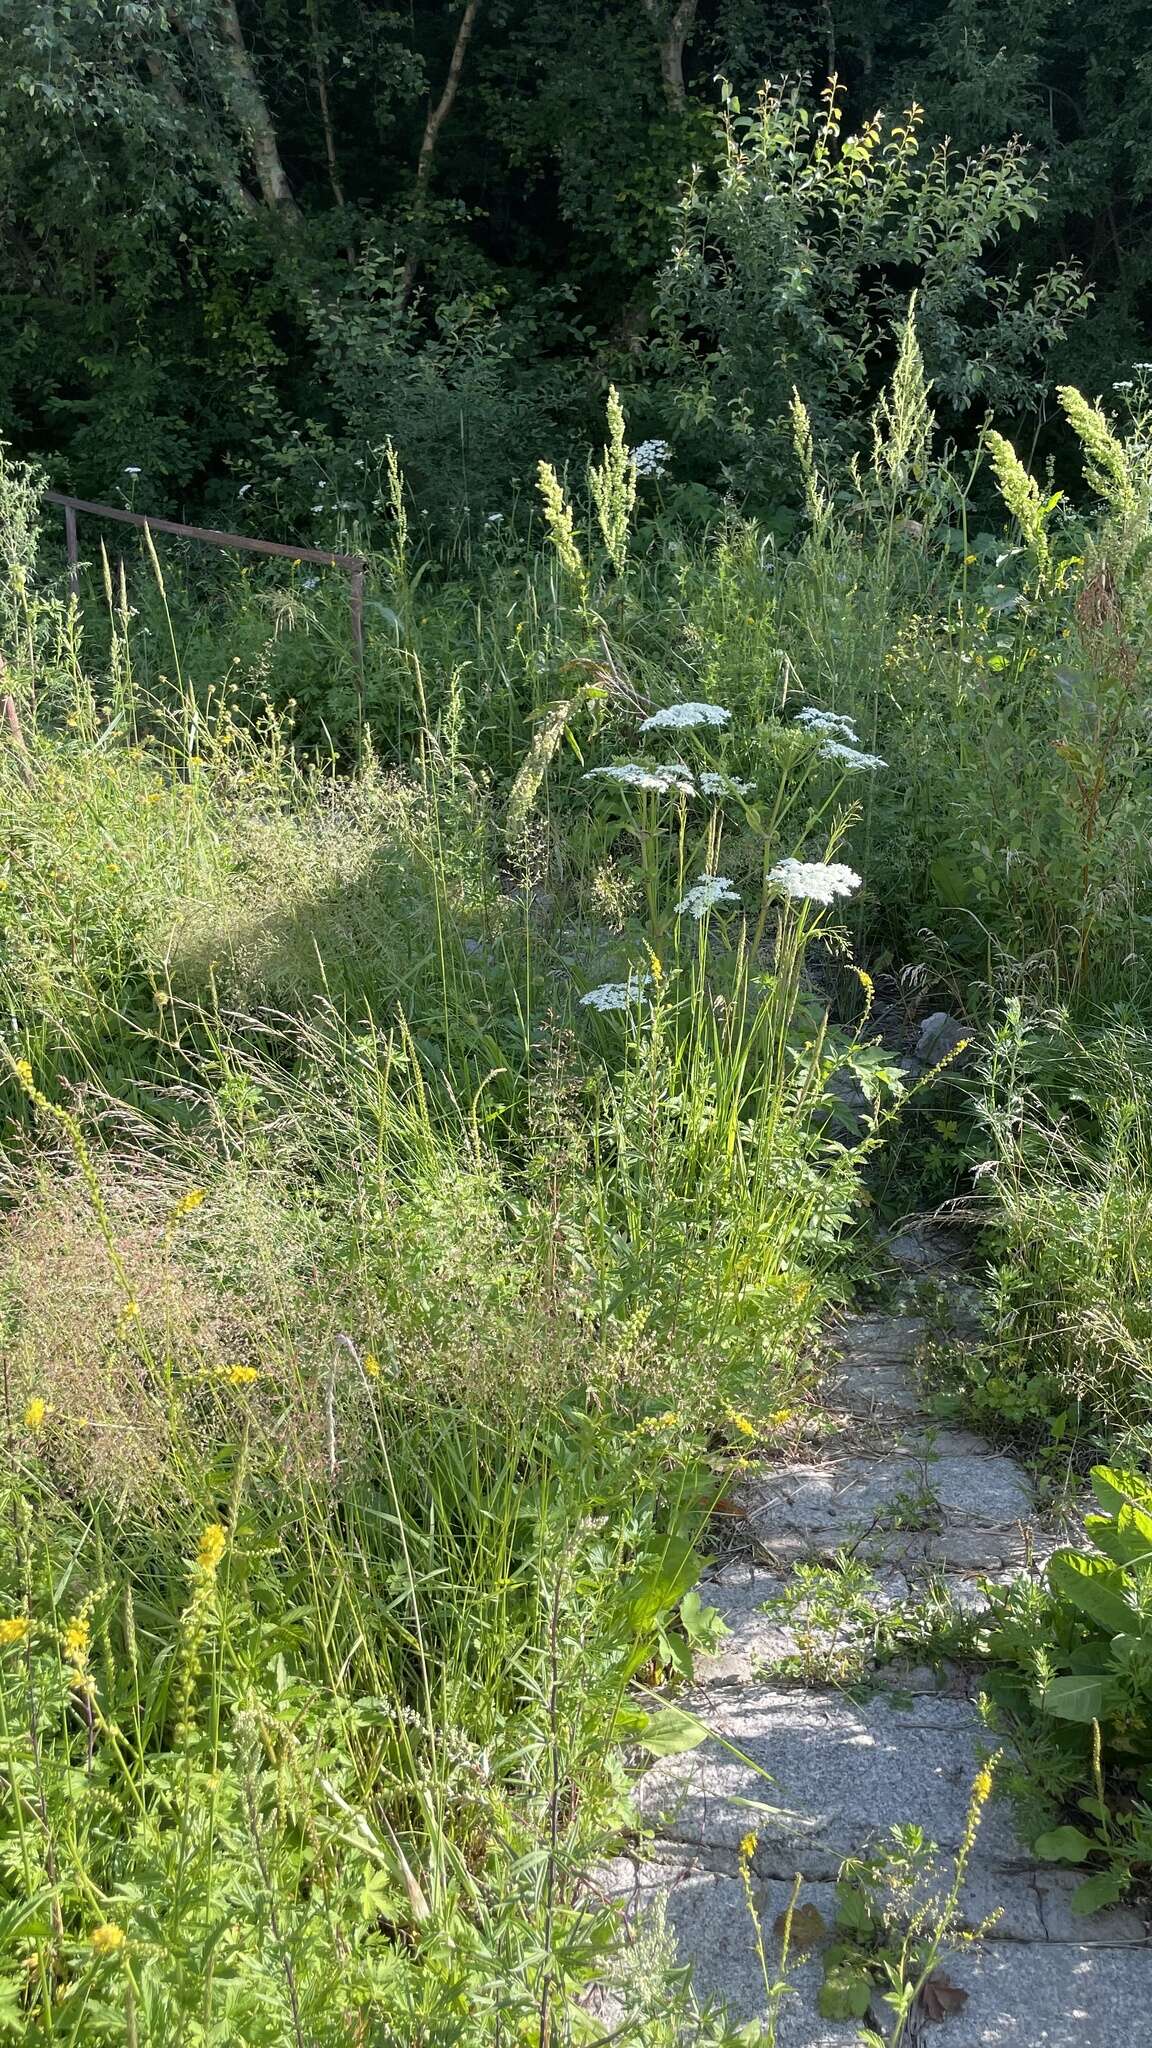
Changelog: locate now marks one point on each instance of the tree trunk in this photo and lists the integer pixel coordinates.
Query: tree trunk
(672, 32)
(437, 116)
(251, 109)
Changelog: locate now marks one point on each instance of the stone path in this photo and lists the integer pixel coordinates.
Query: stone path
(919, 1508)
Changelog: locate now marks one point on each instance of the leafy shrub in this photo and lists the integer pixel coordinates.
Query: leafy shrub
(794, 266)
(1074, 1674)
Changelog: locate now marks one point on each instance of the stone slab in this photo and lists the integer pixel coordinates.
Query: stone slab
(1023, 1991)
(818, 1776)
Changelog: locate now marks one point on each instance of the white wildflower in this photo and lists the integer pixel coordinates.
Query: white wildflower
(616, 995)
(1125, 384)
(705, 895)
(318, 508)
(828, 722)
(682, 717)
(636, 777)
(814, 881)
(848, 757)
(244, 490)
(1142, 366)
(494, 519)
(714, 784)
(309, 582)
(651, 458)
(132, 470)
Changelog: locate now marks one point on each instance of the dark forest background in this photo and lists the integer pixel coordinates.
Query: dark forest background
(244, 244)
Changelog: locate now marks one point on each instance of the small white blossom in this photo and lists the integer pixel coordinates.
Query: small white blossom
(682, 717)
(828, 722)
(1125, 384)
(705, 895)
(714, 784)
(814, 881)
(1142, 366)
(132, 470)
(848, 757)
(309, 582)
(636, 777)
(616, 995)
(651, 458)
(494, 519)
(244, 490)
(318, 508)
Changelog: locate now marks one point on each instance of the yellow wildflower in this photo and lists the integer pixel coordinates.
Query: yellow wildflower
(748, 1848)
(213, 1544)
(741, 1422)
(240, 1375)
(130, 1309)
(188, 1202)
(107, 1938)
(12, 1631)
(780, 1418)
(35, 1413)
(372, 1366)
(23, 1072)
(76, 1639)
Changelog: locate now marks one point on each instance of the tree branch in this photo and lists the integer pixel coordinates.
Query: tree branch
(437, 116)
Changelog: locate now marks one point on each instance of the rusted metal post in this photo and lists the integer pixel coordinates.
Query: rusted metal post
(73, 550)
(356, 609)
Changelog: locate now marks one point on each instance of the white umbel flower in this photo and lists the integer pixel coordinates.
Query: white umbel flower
(849, 758)
(637, 777)
(616, 995)
(714, 784)
(650, 458)
(682, 717)
(814, 881)
(705, 894)
(828, 722)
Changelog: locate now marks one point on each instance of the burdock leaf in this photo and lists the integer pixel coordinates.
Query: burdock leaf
(808, 1926)
(940, 1998)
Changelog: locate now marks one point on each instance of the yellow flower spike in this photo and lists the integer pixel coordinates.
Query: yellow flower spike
(213, 1544)
(129, 1310)
(107, 1938)
(23, 1072)
(240, 1375)
(188, 1202)
(748, 1847)
(740, 1422)
(372, 1366)
(75, 1643)
(35, 1413)
(13, 1630)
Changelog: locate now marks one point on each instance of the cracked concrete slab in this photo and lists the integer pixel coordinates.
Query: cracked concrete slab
(818, 1776)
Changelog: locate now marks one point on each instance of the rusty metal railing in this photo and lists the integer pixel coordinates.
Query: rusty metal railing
(352, 565)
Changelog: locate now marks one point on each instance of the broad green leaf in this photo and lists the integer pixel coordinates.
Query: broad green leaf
(1094, 1589)
(1125, 1537)
(671, 1731)
(845, 1994)
(1095, 1892)
(1075, 1698)
(1064, 1845)
(1115, 1488)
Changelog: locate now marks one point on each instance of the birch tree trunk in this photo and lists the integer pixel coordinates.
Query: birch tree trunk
(672, 30)
(251, 109)
(437, 116)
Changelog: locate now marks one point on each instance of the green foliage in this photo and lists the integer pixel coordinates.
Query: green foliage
(1068, 1192)
(1072, 1669)
(794, 266)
